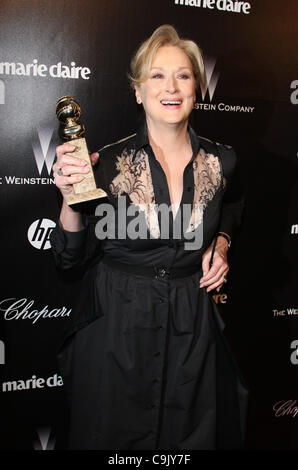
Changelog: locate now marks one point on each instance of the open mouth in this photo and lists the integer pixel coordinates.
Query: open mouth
(171, 102)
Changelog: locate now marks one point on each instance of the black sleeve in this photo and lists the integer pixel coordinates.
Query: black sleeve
(233, 199)
(76, 249)
(72, 249)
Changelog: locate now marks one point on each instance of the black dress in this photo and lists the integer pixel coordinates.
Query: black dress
(145, 361)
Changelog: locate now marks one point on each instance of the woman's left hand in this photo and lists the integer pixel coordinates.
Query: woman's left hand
(214, 277)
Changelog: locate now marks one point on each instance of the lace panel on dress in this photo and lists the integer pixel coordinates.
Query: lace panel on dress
(134, 178)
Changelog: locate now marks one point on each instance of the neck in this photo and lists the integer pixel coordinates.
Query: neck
(169, 138)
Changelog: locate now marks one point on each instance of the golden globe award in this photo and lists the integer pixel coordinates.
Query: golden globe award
(68, 112)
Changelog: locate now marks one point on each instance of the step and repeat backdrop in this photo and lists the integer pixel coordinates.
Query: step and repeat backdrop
(52, 48)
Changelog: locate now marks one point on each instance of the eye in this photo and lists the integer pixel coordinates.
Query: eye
(183, 76)
(156, 75)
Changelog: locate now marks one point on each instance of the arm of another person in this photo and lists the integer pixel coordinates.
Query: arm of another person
(231, 213)
(68, 239)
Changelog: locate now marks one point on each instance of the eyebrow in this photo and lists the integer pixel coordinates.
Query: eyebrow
(180, 68)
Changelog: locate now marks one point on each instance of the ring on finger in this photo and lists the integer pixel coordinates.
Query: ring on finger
(224, 278)
(59, 172)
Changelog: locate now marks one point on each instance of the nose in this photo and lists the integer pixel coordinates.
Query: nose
(171, 84)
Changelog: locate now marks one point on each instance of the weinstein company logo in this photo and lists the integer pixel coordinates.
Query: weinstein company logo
(44, 150)
(24, 309)
(211, 80)
(232, 6)
(285, 408)
(45, 440)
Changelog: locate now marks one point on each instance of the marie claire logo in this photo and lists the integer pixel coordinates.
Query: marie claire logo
(44, 150)
(2, 352)
(222, 5)
(286, 312)
(45, 440)
(22, 309)
(2, 92)
(294, 354)
(211, 80)
(294, 94)
(35, 69)
(39, 233)
(285, 408)
(33, 383)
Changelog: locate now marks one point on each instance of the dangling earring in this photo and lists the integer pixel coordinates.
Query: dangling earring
(196, 106)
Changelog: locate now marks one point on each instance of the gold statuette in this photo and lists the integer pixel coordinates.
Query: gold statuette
(68, 112)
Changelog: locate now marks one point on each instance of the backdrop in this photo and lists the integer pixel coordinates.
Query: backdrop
(53, 48)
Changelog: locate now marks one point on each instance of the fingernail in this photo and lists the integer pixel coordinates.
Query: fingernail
(83, 162)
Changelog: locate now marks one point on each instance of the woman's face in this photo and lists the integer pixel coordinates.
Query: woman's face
(168, 95)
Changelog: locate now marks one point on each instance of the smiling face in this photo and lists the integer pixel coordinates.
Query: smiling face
(168, 95)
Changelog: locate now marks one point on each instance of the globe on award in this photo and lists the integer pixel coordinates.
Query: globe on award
(68, 112)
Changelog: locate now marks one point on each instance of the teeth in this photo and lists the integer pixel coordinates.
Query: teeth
(171, 102)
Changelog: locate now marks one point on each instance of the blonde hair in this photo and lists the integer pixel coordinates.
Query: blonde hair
(165, 35)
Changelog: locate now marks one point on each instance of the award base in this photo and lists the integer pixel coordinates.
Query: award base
(85, 190)
(95, 194)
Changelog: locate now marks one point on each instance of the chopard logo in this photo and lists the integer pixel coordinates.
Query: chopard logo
(41, 70)
(285, 408)
(222, 5)
(22, 310)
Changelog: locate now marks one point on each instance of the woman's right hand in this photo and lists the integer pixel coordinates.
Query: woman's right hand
(73, 169)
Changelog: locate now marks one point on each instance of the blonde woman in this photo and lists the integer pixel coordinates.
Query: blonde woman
(145, 360)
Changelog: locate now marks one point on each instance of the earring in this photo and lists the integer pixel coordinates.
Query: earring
(139, 101)
(196, 106)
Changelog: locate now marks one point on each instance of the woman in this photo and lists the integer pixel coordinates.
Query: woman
(145, 361)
